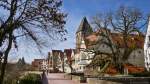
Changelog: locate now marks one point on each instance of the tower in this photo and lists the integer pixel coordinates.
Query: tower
(84, 30)
(147, 47)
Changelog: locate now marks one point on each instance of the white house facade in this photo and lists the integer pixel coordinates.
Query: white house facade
(147, 47)
(44, 65)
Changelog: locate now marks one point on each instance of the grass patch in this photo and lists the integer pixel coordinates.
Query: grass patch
(31, 79)
(144, 74)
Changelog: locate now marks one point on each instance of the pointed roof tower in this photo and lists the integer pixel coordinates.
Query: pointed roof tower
(84, 27)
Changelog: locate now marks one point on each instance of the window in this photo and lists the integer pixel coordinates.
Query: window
(134, 56)
(148, 45)
(149, 38)
(103, 46)
(139, 52)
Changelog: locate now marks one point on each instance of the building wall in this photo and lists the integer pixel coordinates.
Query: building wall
(81, 60)
(37, 64)
(78, 40)
(50, 61)
(104, 48)
(137, 57)
(66, 66)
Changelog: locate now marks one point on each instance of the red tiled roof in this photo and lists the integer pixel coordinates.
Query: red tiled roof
(56, 52)
(92, 37)
(111, 70)
(131, 69)
(134, 69)
(134, 40)
(68, 54)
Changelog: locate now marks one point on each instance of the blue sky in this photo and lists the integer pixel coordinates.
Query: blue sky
(76, 10)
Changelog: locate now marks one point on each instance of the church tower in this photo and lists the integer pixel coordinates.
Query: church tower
(147, 47)
(84, 30)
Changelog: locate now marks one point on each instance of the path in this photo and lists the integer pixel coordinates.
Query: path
(58, 78)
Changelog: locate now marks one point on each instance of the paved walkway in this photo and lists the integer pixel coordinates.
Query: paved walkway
(58, 78)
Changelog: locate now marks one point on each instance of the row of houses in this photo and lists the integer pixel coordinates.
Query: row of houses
(87, 41)
(68, 61)
(56, 61)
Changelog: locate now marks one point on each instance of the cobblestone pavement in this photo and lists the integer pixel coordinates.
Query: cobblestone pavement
(58, 78)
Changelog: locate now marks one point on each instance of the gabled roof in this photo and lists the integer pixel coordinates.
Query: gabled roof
(68, 53)
(134, 69)
(84, 26)
(131, 69)
(134, 40)
(56, 52)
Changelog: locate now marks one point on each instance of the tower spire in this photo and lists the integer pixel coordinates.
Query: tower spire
(83, 30)
(84, 27)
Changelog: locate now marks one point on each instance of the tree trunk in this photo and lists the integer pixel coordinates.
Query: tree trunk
(71, 70)
(63, 66)
(3, 66)
(71, 67)
(104, 68)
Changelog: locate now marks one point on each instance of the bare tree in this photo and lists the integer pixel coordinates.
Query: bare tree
(102, 22)
(126, 22)
(29, 19)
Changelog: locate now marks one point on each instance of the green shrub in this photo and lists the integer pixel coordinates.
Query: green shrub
(31, 79)
(77, 74)
(82, 79)
(81, 75)
(144, 74)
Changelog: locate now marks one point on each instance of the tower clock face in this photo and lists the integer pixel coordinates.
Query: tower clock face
(82, 42)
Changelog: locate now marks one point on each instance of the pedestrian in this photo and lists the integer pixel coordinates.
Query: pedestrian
(43, 75)
(47, 72)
